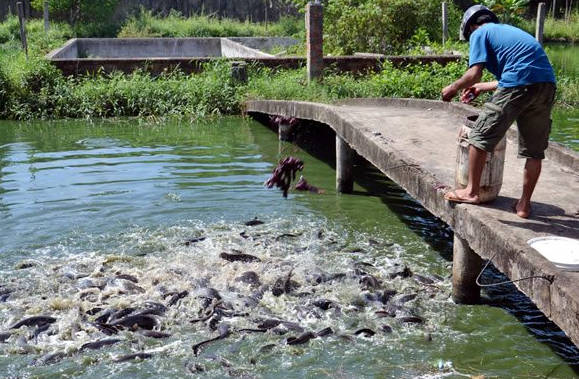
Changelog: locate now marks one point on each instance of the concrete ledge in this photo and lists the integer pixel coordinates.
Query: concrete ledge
(492, 231)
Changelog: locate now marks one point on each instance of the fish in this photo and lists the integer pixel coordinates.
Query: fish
(411, 319)
(33, 321)
(301, 339)
(386, 328)
(176, 297)
(387, 295)
(249, 277)
(120, 314)
(324, 304)
(95, 345)
(4, 336)
(224, 332)
(254, 222)
(128, 277)
(141, 321)
(405, 273)
(246, 258)
(40, 329)
(366, 332)
(154, 334)
(194, 240)
(131, 357)
(406, 298)
(49, 359)
(325, 332)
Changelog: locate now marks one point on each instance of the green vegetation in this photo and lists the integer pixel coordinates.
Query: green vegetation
(556, 29)
(145, 24)
(381, 26)
(35, 89)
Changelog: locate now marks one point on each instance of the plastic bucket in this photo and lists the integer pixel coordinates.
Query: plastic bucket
(563, 252)
(492, 175)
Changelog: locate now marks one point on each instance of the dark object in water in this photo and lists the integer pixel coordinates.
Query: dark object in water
(249, 277)
(303, 338)
(39, 330)
(131, 357)
(49, 359)
(194, 240)
(254, 222)
(120, 314)
(411, 319)
(239, 257)
(93, 311)
(105, 316)
(387, 295)
(34, 321)
(369, 281)
(269, 324)
(98, 344)
(154, 334)
(128, 277)
(423, 279)
(403, 274)
(324, 304)
(4, 336)
(325, 332)
(406, 298)
(303, 185)
(176, 297)
(284, 173)
(284, 285)
(4, 297)
(365, 331)
(144, 322)
(105, 329)
(224, 332)
(386, 328)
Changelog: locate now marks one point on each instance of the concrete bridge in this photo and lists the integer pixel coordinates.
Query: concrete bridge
(413, 142)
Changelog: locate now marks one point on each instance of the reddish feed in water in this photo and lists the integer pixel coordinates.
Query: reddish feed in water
(284, 173)
(303, 185)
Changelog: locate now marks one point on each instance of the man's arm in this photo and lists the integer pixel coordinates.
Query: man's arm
(468, 79)
(471, 93)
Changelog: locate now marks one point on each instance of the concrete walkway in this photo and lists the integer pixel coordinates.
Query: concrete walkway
(413, 142)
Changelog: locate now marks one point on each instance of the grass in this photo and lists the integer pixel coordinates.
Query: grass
(556, 29)
(145, 24)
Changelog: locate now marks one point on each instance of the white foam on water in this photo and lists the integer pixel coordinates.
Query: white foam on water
(66, 283)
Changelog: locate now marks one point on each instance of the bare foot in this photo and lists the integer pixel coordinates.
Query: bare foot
(523, 208)
(461, 196)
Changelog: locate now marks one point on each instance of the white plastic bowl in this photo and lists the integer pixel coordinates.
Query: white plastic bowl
(563, 252)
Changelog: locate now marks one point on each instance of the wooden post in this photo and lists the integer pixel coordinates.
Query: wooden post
(46, 21)
(22, 20)
(314, 40)
(444, 22)
(540, 23)
(466, 266)
(344, 166)
(554, 7)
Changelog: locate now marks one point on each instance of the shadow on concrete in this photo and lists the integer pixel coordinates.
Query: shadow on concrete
(318, 140)
(545, 218)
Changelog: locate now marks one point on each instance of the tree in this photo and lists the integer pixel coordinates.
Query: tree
(76, 11)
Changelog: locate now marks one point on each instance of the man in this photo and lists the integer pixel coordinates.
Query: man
(525, 91)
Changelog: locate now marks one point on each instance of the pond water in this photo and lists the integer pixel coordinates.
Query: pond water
(565, 59)
(124, 214)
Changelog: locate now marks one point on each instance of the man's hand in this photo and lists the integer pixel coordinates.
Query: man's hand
(449, 92)
(469, 94)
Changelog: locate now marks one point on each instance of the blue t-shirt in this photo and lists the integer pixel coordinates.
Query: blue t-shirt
(513, 56)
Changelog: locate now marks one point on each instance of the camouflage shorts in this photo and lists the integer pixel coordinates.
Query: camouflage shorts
(530, 106)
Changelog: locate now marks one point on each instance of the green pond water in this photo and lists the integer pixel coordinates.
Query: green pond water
(565, 58)
(82, 204)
